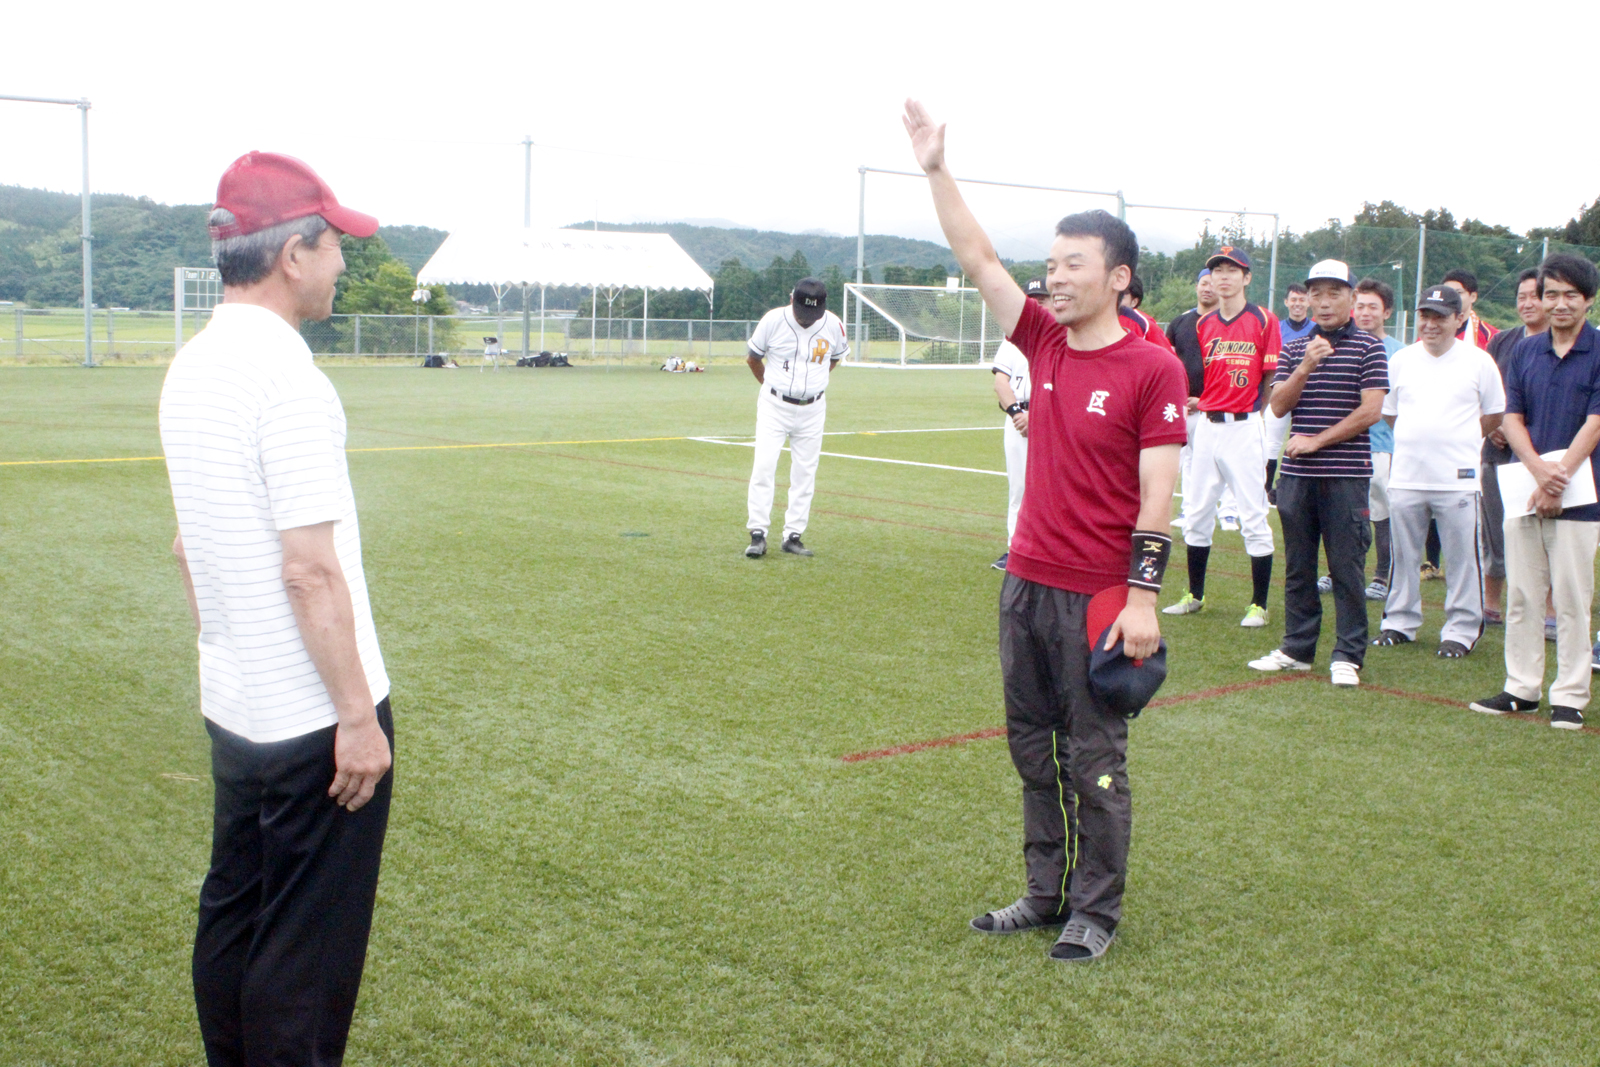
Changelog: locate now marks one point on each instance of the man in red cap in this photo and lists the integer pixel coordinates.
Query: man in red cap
(292, 683)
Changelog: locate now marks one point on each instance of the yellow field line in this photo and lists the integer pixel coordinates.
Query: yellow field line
(42, 462)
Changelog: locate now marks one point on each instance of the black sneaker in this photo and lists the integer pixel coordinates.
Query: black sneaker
(1565, 718)
(1000, 565)
(792, 545)
(1504, 702)
(758, 545)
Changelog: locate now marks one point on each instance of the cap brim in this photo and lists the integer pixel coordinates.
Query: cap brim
(1438, 309)
(1214, 260)
(351, 222)
(1342, 281)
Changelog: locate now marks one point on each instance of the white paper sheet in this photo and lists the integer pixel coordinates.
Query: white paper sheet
(1517, 486)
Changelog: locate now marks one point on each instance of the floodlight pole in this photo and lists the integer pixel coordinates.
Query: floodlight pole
(1422, 251)
(527, 181)
(82, 104)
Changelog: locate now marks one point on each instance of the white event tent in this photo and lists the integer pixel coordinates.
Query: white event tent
(519, 258)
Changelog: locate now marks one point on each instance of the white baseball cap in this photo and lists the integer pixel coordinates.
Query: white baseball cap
(1331, 270)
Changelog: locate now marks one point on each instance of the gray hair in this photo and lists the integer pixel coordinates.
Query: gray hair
(247, 259)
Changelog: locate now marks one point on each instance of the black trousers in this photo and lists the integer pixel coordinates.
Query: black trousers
(1071, 752)
(286, 907)
(1331, 512)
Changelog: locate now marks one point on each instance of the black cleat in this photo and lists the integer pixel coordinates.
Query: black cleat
(758, 545)
(1000, 565)
(792, 545)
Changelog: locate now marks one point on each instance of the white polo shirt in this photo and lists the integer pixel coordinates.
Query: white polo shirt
(1009, 360)
(254, 438)
(798, 358)
(1437, 402)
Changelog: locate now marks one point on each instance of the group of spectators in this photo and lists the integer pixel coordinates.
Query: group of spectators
(1469, 444)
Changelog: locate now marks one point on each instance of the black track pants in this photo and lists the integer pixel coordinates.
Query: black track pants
(1070, 751)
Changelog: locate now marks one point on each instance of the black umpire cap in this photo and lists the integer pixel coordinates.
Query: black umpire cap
(1037, 289)
(810, 293)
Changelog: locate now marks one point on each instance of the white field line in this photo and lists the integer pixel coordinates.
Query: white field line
(863, 433)
(869, 459)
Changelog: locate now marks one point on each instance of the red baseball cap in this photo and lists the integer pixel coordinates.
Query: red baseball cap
(264, 189)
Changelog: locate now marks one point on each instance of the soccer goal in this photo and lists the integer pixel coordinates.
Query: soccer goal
(918, 325)
(195, 290)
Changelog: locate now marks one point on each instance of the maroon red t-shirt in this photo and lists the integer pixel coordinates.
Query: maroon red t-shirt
(1089, 414)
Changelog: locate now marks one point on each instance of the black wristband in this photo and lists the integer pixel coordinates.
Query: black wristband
(1148, 564)
(1013, 409)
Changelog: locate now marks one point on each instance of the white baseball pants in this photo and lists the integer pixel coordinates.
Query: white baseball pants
(1378, 489)
(1228, 455)
(1016, 476)
(801, 427)
(1456, 512)
(1186, 464)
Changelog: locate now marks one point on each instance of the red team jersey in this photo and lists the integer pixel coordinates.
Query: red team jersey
(1089, 415)
(1238, 354)
(1144, 326)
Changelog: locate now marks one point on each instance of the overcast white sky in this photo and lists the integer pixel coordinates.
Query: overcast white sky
(760, 114)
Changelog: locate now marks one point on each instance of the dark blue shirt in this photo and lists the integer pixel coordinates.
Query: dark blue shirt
(1555, 395)
(1288, 331)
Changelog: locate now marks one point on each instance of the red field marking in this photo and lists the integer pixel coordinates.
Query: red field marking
(1000, 731)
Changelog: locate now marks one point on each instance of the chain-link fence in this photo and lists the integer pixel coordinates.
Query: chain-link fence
(55, 336)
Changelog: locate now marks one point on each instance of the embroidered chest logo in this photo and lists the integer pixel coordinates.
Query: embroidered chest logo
(1097, 401)
(819, 350)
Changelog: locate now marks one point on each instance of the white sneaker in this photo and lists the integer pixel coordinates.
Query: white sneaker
(1187, 606)
(1345, 673)
(1278, 660)
(1255, 617)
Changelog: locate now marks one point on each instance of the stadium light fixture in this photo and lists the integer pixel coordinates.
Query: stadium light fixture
(88, 238)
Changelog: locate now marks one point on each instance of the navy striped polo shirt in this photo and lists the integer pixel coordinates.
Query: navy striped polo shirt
(1359, 361)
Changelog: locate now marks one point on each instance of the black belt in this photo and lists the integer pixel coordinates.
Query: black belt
(793, 400)
(1226, 416)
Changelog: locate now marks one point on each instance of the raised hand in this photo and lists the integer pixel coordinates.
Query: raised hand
(927, 138)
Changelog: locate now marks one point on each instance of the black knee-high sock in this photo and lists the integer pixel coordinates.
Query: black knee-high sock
(1432, 545)
(1260, 579)
(1272, 468)
(1380, 535)
(1199, 556)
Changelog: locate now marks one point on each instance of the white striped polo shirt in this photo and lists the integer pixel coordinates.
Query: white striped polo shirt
(254, 438)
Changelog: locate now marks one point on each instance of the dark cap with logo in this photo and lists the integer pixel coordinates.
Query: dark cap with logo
(1229, 254)
(1443, 299)
(810, 293)
(1124, 685)
(1036, 288)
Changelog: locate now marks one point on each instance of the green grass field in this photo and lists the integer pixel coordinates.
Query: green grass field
(623, 832)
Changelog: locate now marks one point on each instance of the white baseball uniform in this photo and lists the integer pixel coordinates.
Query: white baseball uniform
(1010, 361)
(791, 408)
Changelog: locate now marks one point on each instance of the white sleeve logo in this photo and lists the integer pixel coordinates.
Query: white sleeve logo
(1170, 413)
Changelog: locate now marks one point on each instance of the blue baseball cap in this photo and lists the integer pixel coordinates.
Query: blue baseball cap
(1124, 685)
(1229, 254)
(1205, 272)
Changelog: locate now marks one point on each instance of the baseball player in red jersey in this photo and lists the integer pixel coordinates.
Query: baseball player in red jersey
(1239, 346)
(1105, 423)
(1141, 324)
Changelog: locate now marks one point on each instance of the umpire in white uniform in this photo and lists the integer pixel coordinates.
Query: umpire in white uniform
(792, 352)
(1011, 390)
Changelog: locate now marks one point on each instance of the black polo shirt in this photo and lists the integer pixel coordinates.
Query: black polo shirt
(1185, 337)
(1555, 395)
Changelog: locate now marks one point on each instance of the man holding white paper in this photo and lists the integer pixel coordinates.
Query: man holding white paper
(1444, 398)
(1552, 424)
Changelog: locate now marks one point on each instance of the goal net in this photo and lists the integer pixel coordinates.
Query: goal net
(918, 325)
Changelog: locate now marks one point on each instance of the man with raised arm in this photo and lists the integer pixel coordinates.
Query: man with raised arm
(1105, 424)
